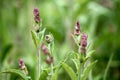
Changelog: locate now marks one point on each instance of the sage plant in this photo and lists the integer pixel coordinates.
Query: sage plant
(80, 58)
(45, 45)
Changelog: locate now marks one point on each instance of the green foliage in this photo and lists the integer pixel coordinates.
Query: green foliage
(87, 70)
(99, 18)
(107, 68)
(77, 63)
(16, 72)
(70, 71)
(55, 74)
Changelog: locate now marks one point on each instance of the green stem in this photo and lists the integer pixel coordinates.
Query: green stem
(51, 65)
(38, 61)
(78, 72)
(81, 67)
(49, 48)
(51, 73)
(81, 70)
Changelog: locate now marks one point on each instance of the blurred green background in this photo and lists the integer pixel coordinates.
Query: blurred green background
(100, 19)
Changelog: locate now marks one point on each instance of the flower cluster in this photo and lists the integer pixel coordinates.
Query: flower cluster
(37, 19)
(83, 43)
(36, 15)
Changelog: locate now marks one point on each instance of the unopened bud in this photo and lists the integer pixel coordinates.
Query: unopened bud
(48, 38)
(22, 66)
(49, 60)
(76, 32)
(77, 26)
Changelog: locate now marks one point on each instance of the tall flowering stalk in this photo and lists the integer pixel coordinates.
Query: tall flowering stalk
(38, 36)
(79, 57)
(80, 39)
(37, 20)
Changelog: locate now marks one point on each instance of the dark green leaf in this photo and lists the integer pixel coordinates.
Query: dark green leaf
(5, 51)
(35, 38)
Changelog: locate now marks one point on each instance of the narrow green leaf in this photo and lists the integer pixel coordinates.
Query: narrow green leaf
(87, 70)
(76, 62)
(89, 54)
(107, 68)
(17, 72)
(41, 34)
(35, 38)
(70, 71)
(75, 40)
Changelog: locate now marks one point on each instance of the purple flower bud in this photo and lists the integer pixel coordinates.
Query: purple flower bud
(77, 29)
(84, 40)
(21, 64)
(84, 43)
(77, 26)
(49, 60)
(36, 15)
(44, 49)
